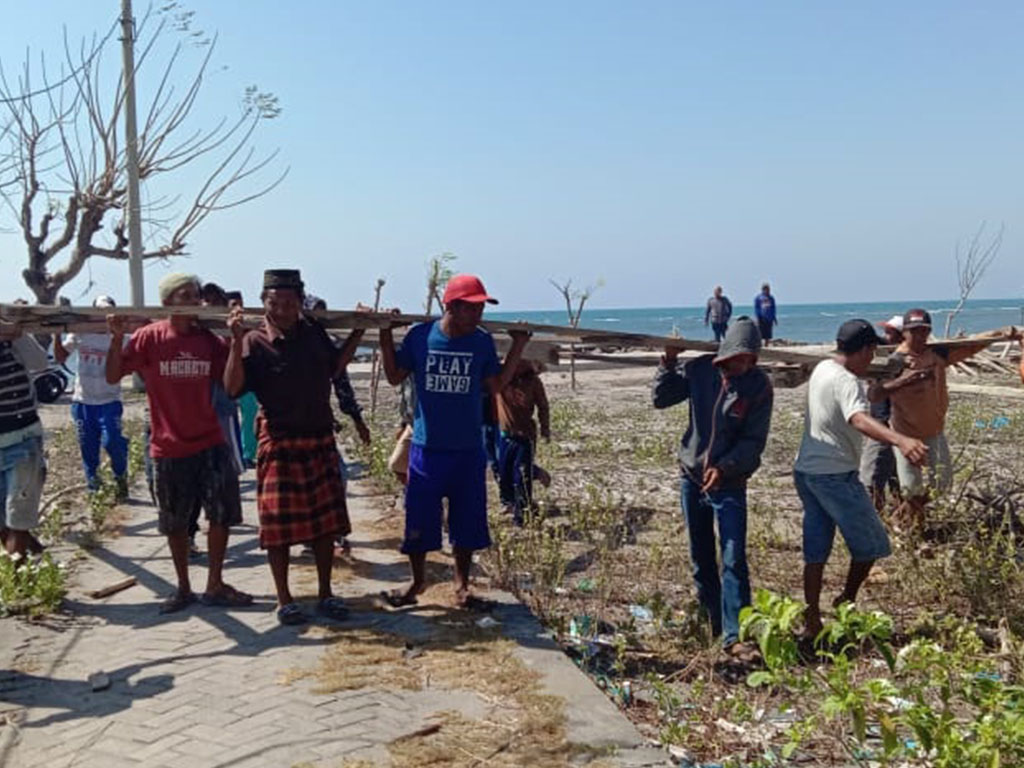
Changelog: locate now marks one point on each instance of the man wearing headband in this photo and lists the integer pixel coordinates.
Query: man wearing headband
(179, 361)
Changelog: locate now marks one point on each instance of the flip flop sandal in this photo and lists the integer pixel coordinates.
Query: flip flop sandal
(399, 598)
(177, 602)
(290, 615)
(228, 597)
(332, 608)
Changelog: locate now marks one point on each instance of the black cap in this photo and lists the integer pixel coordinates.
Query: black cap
(916, 318)
(234, 296)
(854, 335)
(282, 278)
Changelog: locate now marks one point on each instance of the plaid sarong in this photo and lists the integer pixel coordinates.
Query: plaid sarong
(299, 489)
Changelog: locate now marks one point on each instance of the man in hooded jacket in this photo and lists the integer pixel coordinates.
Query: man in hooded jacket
(730, 402)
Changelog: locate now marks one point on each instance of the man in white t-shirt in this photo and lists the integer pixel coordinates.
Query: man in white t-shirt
(96, 405)
(827, 465)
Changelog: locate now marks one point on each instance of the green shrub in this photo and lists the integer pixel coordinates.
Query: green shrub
(30, 585)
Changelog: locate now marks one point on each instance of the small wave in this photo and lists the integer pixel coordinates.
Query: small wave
(666, 317)
(829, 314)
(608, 319)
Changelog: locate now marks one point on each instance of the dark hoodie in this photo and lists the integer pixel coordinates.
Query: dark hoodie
(729, 418)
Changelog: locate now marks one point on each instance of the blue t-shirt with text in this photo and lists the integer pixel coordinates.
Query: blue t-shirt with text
(449, 375)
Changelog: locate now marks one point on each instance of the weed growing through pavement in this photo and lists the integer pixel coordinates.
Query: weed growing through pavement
(32, 584)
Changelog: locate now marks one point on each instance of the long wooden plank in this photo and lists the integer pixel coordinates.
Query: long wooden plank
(48, 319)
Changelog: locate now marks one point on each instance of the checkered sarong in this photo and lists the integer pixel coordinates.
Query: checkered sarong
(300, 492)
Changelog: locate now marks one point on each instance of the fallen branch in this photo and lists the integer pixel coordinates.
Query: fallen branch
(110, 589)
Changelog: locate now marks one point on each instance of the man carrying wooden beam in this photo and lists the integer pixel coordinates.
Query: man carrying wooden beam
(920, 399)
(179, 362)
(826, 470)
(730, 402)
(451, 361)
(22, 464)
(289, 364)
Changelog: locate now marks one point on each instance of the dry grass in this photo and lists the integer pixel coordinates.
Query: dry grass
(524, 726)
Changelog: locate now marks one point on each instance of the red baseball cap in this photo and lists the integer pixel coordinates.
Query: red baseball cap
(467, 288)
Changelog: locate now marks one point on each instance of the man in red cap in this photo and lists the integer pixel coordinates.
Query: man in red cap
(451, 360)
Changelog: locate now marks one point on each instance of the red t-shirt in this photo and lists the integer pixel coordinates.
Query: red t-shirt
(179, 371)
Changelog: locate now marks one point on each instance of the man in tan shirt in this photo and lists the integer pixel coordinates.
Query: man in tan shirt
(920, 399)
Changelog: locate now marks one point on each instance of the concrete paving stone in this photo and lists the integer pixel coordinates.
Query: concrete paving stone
(112, 745)
(180, 760)
(250, 709)
(157, 749)
(253, 750)
(136, 733)
(222, 736)
(199, 747)
(343, 719)
(179, 717)
(52, 761)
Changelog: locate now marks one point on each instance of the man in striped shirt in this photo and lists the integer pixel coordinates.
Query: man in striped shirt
(22, 468)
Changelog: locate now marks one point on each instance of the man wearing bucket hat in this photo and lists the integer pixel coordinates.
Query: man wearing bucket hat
(179, 361)
(451, 361)
(730, 401)
(826, 470)
(289, 364)
(920, 399)
(96, 405)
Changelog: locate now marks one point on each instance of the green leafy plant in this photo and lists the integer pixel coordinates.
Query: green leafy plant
(30, 585)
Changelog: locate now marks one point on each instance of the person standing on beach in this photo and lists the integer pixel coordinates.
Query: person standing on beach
(730, 401)
(96, 405)
(826, 470)
(289, 364)
(920, 399)
(717, 313)
(764, 311)
(451, 361)
(179, 361)
(878, 460)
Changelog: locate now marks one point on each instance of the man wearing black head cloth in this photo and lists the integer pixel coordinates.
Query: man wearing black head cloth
(289, 363)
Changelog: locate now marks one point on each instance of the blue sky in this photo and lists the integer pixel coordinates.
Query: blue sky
(838, 150)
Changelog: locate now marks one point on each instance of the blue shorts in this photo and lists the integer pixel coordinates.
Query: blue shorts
(460, 477)
(840, 500)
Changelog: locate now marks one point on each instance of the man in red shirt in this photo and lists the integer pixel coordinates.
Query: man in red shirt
(179, 362)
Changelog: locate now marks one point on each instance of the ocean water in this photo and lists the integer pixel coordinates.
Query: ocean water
(814, 323)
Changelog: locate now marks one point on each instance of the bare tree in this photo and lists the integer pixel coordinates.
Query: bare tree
(62, 153)
(439, 271)
(971, 266)
(575, 300)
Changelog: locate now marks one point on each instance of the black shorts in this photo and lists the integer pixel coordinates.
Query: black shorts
(765, 327)
(204, 479)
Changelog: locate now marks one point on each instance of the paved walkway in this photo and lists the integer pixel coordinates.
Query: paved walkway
(207, 687)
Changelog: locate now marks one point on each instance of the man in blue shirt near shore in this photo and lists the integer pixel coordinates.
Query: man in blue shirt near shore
(451, 360)
(764, 311)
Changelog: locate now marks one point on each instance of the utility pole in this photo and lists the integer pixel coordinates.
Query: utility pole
(132, 156)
